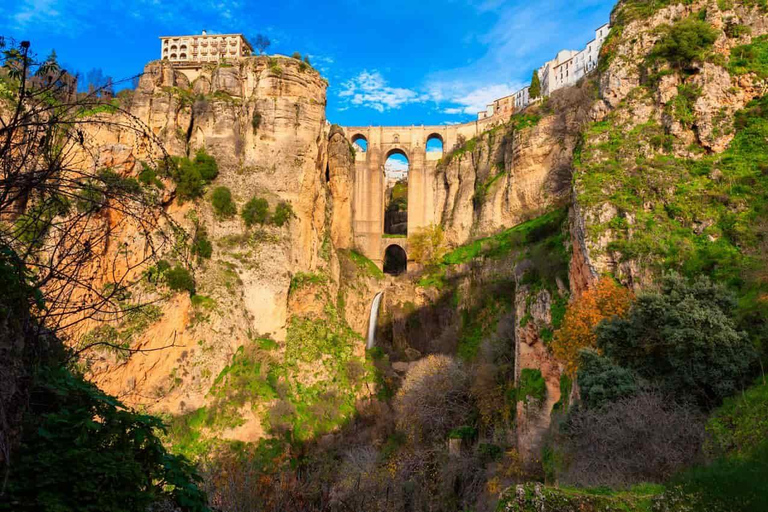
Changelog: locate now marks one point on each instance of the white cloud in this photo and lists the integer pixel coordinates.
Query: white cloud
(395, 166)
(470, 97)
(370, 89)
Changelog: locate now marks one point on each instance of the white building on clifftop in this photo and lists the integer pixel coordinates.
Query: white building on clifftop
(567, 68)
(204, 47)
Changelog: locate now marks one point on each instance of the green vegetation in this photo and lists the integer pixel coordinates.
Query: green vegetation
(283, 213)
(699, 216)
(180, 279)
(255, 211)
(523, 120)
(639, 498)
(531, 386)
(365, 264)
(479, 322)
(682, 105)
(683, 339)
(87, 441)
(117, 338)
(201, 245)
(740, 424)
(223, 205)
(191, 176)
(534, 91)
(303, 279)
(601, 381)
(750, 58)
(148, 176)
(685, 42)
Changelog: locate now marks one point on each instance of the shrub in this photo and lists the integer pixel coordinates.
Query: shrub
(189, 182)
(433, 399)
(605, 300)
(255, 211)
(148, 176)
(601, 381)
(283, 213)
(683, 339)
(201, 246)
(427, 246)
(192, 175)
(644, 438)
(685, 42)
(296, 55)
(180, 279)
(206, 165)
(222, 203)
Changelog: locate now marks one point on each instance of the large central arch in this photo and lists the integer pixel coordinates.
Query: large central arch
(396, 167)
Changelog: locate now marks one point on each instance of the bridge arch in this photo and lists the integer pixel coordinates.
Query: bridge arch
(434, 143)
(360, 142)
(395, 260)
(396, 170)
(397, 151)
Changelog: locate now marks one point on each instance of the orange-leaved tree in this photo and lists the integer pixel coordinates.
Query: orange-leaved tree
(604, 300)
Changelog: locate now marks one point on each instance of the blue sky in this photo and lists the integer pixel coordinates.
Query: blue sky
(389, 63)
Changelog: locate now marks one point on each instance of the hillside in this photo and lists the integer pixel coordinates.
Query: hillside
(582, 327)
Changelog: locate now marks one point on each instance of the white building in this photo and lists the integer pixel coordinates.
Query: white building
(204, 47)
(567, 68)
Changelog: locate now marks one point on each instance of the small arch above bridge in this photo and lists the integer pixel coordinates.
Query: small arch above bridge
(434, 143)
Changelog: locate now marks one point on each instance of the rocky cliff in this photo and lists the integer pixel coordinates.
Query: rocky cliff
(263, 121)
(666, 137)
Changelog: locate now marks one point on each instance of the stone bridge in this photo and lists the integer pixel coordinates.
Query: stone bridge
(370, 182)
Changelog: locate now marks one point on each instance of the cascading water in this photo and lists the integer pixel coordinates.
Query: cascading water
(372, 320)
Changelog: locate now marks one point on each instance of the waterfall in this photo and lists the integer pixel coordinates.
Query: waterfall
(372, 320)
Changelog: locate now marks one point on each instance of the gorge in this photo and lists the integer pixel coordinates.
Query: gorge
(580, 323)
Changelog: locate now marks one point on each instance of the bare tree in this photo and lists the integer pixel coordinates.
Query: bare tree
(61, 206)
(645, 438)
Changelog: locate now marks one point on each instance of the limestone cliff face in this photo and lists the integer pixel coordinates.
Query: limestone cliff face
(513, 172)
(665, 119)
(263, 120)
(339, 175)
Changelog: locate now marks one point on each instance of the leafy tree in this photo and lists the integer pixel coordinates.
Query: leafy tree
(222, 202)
(261, 43)
(427, 246)
(306, 60)
(85, 451)
(604, 300)
(296, 55)
(685, 42)
(534, 91)
(601, 381)
(255, 211)
(180, 279)
(683, 338)
(283, 213)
